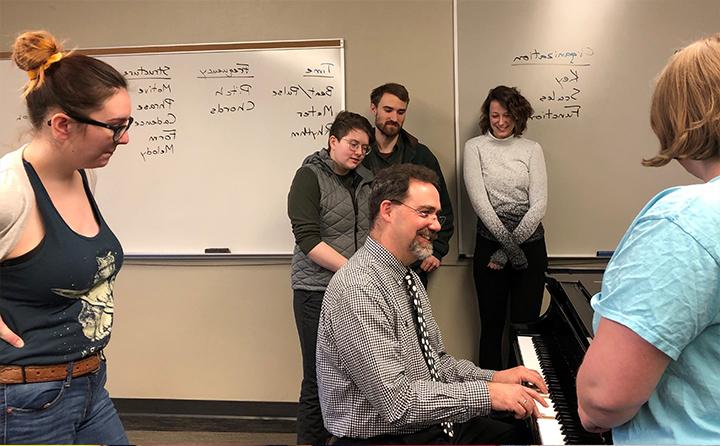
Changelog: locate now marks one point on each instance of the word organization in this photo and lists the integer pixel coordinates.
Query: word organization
(561, 57)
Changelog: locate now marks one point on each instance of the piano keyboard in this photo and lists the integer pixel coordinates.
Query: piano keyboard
(554, 344)
(558, 424)
(548, 425)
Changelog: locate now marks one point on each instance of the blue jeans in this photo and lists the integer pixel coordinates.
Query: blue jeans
(75, 410)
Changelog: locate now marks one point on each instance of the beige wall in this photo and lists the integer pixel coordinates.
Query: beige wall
(226, 330)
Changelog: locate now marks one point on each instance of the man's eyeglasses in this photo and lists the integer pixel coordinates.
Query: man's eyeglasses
(423, 213)
(118, 130)
(355, 145)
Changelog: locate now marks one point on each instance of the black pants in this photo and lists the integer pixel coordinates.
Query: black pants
(310, 425)
(479, 430)
(497, 290)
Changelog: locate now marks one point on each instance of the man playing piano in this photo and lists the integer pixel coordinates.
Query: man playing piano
(383, 373)
(651, 372)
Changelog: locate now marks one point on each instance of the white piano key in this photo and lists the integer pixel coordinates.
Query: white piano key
(550, 432)
(547, 412)
(529, 357)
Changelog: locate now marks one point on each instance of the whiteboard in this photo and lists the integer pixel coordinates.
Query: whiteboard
(588, 69)
(220, 131)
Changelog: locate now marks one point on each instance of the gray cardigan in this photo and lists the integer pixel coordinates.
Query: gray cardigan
(17, 199)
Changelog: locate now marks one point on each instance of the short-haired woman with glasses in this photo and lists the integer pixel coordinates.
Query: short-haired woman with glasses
(58, 257)
(328, 209)
(507, 184)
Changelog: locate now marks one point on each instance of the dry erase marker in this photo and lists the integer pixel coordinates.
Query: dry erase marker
(217, 250)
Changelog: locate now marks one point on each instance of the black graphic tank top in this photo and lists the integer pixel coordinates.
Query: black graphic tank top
(59, 296)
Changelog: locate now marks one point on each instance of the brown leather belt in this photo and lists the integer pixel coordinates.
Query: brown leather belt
(16, 374)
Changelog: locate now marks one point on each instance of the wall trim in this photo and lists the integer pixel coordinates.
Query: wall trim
(204, 415)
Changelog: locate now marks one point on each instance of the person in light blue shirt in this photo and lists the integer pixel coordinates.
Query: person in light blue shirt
(651, 372)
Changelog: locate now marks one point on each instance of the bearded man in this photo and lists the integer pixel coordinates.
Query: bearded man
(384, 376)
(394, 145)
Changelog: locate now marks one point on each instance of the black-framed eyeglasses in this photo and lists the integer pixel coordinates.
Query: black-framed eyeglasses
(355, 145)
(423, 213)
(118, 130)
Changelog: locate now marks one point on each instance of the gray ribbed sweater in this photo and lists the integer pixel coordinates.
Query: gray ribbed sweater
(507, 185)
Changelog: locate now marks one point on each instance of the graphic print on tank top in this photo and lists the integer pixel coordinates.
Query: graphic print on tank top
(97, 301)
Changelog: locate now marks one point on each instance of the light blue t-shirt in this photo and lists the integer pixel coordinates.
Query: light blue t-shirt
(663, 282)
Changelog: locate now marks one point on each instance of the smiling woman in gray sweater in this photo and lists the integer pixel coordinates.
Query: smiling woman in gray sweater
(507, 184)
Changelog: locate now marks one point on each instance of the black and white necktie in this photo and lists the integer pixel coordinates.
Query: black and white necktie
(423, 338)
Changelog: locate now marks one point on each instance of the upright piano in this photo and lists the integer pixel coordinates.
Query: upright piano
(555, 344)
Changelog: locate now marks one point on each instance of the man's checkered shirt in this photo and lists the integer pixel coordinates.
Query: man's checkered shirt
(372, 378)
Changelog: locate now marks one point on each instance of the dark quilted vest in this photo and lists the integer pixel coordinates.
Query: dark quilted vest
(341, 228)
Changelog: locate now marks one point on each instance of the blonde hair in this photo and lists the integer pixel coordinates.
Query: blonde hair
(685, 110)
(34, 52)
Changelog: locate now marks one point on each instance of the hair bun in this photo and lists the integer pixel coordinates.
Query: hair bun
(32, 49)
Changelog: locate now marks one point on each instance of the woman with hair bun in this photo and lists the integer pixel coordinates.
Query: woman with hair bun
(507, 184)
(58, 257)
